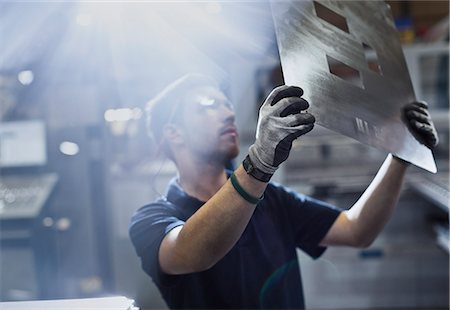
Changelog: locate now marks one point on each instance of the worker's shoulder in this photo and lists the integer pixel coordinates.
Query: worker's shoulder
(158, 207)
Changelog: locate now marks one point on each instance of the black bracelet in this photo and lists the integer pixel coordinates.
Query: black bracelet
(242, 192)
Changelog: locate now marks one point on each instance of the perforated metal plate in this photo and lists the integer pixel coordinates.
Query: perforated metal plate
(352, 90)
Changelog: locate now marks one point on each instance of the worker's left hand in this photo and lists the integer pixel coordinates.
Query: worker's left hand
(419, 122)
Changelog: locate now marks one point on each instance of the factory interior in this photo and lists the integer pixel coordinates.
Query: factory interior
(76, 161)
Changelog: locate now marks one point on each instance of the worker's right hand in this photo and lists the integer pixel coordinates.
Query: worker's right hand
(282, 119)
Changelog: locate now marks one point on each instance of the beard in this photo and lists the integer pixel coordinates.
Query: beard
(224, 157)
(221, 155)
(232, 153)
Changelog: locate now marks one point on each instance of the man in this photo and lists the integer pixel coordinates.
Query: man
(221, 241)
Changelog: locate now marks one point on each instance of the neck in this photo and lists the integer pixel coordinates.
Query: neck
(201, 179)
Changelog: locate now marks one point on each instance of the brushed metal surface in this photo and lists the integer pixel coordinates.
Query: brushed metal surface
(370, 109)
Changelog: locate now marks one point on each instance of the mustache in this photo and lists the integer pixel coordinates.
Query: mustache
(231, 128)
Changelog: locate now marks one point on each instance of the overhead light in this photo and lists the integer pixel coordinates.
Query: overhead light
(110, 115)
(25, 77)
(122, 115)
(69, 148)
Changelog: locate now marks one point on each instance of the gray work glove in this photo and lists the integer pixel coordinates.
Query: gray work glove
(280, 122)
(419, 122)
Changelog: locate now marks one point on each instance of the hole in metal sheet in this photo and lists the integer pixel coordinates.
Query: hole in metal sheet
(331, 17)
(372, 59)
(345, 72)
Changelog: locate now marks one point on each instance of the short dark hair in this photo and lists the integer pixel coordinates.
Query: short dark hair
(163, 109)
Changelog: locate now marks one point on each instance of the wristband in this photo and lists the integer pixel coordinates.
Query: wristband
(254, 172)
(242, 192)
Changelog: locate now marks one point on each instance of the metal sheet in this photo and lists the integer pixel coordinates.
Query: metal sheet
(368, 110)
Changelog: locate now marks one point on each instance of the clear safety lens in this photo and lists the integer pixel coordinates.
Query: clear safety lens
(214, 103)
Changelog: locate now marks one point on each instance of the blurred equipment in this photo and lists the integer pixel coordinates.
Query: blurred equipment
(111, 303)
(435, 190)
(25, 196)
(348, 59)
(27, 244)
(22, 143)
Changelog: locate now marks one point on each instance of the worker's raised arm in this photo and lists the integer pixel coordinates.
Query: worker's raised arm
(210, 233)
(361, 224)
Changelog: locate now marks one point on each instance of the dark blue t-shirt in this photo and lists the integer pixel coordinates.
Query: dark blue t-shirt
(260, 271)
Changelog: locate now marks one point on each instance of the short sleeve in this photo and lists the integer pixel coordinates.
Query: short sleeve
(309, 218)
(148, 227)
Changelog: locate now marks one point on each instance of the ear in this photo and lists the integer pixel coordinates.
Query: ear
(173, 134)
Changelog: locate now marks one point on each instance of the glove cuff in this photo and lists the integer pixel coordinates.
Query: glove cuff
(255, 172)
(258, 163)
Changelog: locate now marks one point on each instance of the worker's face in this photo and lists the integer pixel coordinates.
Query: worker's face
(209, 129)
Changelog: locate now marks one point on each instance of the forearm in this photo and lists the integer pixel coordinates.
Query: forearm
(214, 229)
(373, 209)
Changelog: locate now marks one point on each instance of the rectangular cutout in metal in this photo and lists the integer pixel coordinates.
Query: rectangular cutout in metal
(345, 72)
(330, 16)
(372, 59)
